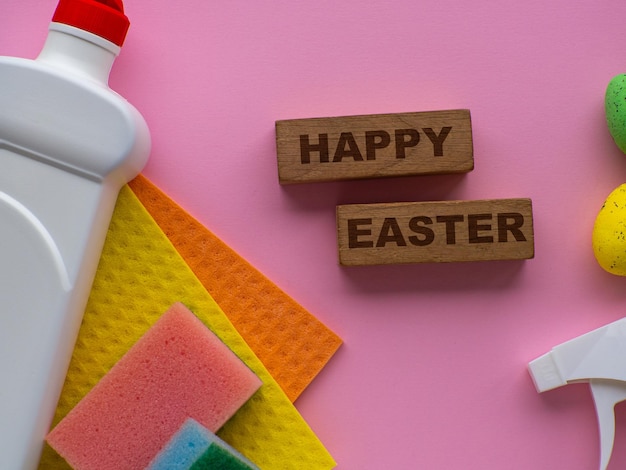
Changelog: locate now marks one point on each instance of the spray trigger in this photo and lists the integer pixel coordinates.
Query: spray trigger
(596, 357)
(607, 394)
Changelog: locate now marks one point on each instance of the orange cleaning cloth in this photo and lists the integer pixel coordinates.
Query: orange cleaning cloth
(292, 343)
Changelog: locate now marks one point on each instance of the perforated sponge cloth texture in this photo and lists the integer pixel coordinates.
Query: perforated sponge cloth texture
(177, 369)
(292, 343)
(139, 277)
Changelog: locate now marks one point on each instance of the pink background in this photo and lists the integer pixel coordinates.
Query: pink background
(433, 371)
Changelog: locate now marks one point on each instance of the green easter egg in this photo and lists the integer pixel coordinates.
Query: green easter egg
(615, 109)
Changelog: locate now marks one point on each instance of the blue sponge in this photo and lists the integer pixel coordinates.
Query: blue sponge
(193, 447)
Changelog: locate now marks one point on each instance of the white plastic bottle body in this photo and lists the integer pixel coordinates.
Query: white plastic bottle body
(67, 145)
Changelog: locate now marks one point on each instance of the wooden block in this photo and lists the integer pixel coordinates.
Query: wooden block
(374, 146)
(435, 232)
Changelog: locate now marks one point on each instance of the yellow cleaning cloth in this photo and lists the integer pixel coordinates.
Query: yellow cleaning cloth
(292, 344)
(140, 275)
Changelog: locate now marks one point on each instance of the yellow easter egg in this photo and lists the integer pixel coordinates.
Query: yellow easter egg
(609, 233)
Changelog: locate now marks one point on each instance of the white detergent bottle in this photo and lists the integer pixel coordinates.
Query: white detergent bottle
(68, 143)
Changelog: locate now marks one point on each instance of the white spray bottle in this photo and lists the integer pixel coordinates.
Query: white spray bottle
(599, 358)
(67, 146)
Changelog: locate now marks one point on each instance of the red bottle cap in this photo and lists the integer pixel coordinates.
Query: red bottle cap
(104, 18)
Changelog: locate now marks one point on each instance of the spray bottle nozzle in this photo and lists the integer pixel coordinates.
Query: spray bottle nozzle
(593, 358)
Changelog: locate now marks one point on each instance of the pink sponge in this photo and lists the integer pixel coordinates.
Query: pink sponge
(178, 369)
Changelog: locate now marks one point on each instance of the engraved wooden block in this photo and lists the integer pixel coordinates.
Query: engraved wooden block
(374, 146)
(435, 232)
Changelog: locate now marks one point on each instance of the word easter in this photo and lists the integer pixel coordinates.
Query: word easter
(374, 146)
(446, 231)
